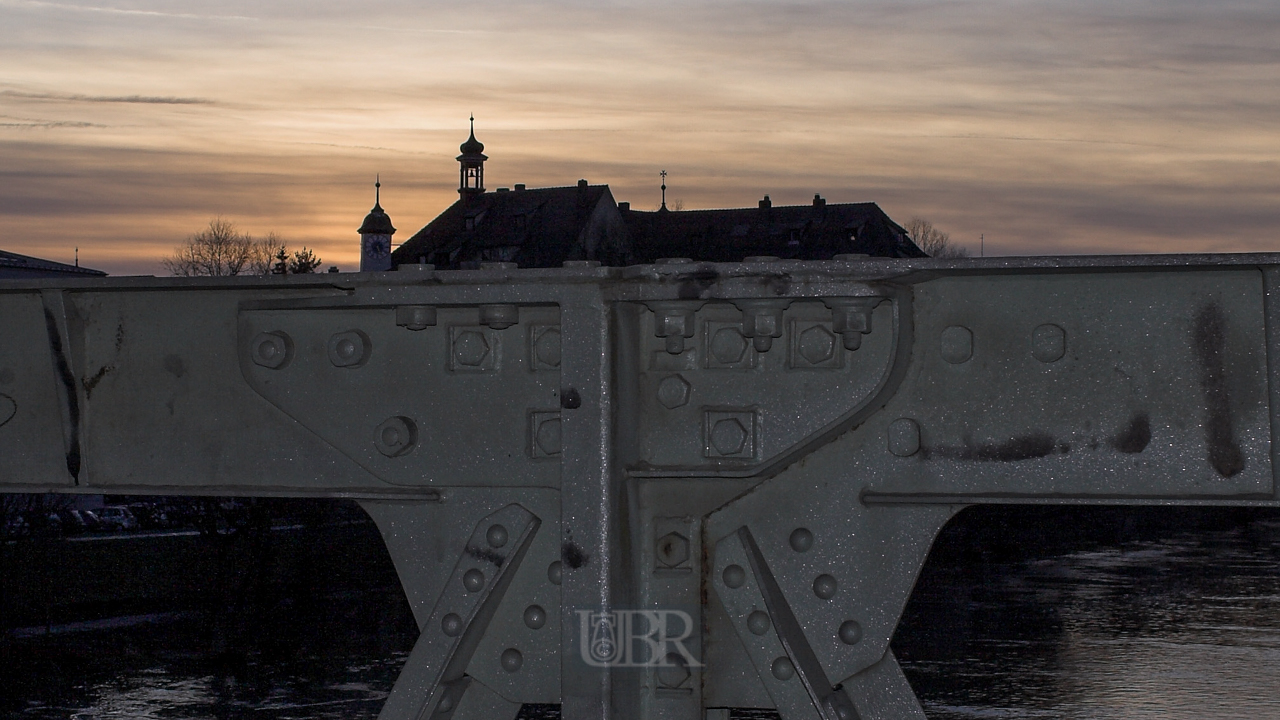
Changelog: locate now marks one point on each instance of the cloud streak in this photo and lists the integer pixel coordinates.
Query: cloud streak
(132, 99)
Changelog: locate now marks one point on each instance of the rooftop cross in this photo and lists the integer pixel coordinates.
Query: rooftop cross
(664, 189)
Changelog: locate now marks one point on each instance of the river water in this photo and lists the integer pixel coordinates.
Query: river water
(1180, 626)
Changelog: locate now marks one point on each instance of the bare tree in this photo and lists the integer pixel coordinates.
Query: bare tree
(221, 249)
(933, 241)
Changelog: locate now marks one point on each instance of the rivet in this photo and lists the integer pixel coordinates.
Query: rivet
(535, 617)
(396, 436)
(801, 539)
(673, 392)
(271, 349)
(473, 580)
(956, 344)
(904, 437)
(1048, 343)
(850, 632)
(497, 536)
(349, 349)
(555, 572)
(451, 625)
(734, 576)
(758, 622)
(728, 437)
(783, 669)
(824, 586)
(511, 660)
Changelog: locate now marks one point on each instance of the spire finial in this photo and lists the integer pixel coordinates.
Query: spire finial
(473, 124)
(377, 191)
(664, 189)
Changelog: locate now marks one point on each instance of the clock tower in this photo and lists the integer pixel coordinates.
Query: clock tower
(375, 236)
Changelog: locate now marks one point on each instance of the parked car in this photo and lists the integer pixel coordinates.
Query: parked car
(117, 517)
(72, 523)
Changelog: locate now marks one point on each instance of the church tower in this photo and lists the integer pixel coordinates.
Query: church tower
(375, 236)
(471, 180)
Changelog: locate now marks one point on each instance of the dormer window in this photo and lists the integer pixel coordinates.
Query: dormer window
(471, 223)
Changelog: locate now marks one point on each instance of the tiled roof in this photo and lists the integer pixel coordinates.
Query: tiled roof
(13, 265)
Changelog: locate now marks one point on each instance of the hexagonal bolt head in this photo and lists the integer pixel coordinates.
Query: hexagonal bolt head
(546, 348)
(728, 437)
(396, 436)
(672, 550)
(271, 349)
(904, 437)
(728, 346)
(673, 392)
(470, 348)
(349, 349)
(1048, 343)
(499, 317)
(673, 672)
(956, 344)
(548, 436)
(816, 345)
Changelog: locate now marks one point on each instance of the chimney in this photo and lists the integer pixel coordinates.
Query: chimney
(582, 183)
(519, 187)
(766, 203)
(818, 200)
(624, 207)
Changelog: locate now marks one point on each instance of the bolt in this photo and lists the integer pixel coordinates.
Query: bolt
(904, 437)
(555, 572)
(673, 550)
(497, 536)
(451, 625)
(728, 437)
(762, 321)
(734, 576)
(1048, 343)
(547, 347)
(801, 539)
(817, 345)
(783, 669)
(511, 660)
(728, 346)
(548, 436)
(349, 349)
(674, 671)
(673, 320)
(473, 580)
(499, 317)
(851, 318)
(470, 348)
(673, 392)
(415, 317)
(535, 617)
(956, 344)
(271, 349)
(824, 586)
(850, 632)
(758, 622)
(396, 436)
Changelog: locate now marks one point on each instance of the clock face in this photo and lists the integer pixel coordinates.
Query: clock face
(379, 246)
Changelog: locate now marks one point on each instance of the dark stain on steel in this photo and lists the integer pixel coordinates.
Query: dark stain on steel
(174, 365)
(1208, 340)
(1026, 447)
(73, 398)
(486, 555)
(694, 284)
(779, 284)
(92, 382)
(570, 399)
(572, 555)
(1135, 437)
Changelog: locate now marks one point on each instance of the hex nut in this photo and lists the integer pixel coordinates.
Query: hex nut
(672, 550)
(904, 437)
(816, 345)
(728, 346)
(548, 436)
(673, 392)
(415, 317)
(956, 344)
(349, 349)
(728, 437)
(546, 348)
(271, 350)
(1048, 343)
(470, 348)
(674, 671)
(396, 436)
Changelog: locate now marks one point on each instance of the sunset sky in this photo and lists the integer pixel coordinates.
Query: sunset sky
(1049, 127)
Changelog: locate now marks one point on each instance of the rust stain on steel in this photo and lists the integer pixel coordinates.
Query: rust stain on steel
(1208, 340)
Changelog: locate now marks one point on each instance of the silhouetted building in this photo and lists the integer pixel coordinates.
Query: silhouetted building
(375, 235)
(13, 265)
(546, 226)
